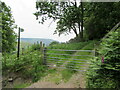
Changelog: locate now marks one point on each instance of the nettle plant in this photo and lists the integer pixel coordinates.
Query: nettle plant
(104, 71)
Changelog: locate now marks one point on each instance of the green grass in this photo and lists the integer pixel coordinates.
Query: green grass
(21, 85)
(53, 76)
(72, 46)
(25, 44)
(59, 76)
(69, 46)
(66, 74)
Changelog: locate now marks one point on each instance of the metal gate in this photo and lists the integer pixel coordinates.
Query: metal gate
(78, 60)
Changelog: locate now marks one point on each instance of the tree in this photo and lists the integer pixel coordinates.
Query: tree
(82, 11)
(69, 21)
(68, 15)
(7, 23)
(100, 18)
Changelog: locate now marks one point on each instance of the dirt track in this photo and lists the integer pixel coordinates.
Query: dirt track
(76, 81)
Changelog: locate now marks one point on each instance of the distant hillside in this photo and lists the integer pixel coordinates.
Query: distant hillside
(34, 40)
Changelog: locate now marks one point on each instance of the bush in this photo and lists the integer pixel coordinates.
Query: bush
(28, 65)
(53, 43)
(106, 74)
(35, 47)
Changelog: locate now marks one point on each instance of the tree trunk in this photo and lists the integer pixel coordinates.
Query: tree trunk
(81, 33)
(79, 30)
(75, 31)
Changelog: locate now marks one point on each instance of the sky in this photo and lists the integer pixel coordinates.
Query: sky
(22, 11)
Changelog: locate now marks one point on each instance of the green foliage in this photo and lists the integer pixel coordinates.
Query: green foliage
(106, 75)
(35, 47)
(21, 85)
(100, 17)
(8, 35)
(69, 46)
(59, 76)
(68, 14)
(70, 20)
(70, 64)
(25, 44)
(28, 65)
(67, 74)
(53, 43)
(76, 40)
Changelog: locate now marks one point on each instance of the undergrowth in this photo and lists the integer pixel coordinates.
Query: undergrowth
(104, 72)
(29, 65)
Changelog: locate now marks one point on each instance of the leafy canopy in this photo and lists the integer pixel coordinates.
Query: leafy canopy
(7, 23)
(100, 17)
(67, 13)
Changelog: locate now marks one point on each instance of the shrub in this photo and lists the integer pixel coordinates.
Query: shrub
(53, 43)
(106, 74)
(28, 65)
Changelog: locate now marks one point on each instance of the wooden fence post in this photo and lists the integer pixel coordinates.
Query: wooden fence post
(22, 51)
(44, 56)
(37, 42)
(41, 46)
